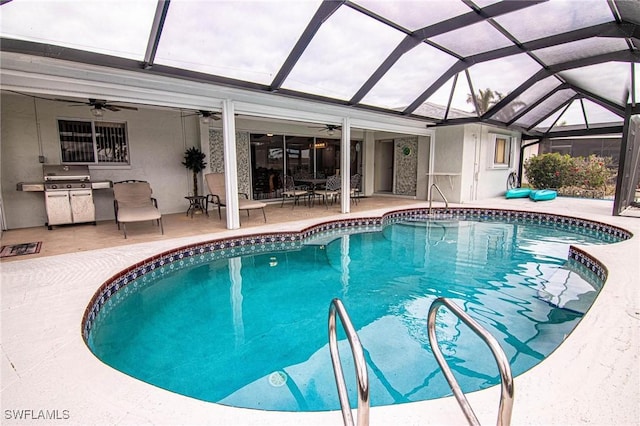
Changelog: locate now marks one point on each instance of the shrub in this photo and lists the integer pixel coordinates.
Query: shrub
(548, 170)
(592, 172)
(556, 171)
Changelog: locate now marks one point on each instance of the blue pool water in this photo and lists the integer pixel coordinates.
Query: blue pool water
(251, 331)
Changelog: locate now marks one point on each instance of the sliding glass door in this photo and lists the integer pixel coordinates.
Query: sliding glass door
(273, 156)
(267, 154)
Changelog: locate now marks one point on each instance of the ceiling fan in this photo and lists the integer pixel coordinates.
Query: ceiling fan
(206, 116)
(99, 105)
(329, 128)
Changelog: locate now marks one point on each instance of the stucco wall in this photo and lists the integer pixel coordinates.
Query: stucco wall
(463, 162)
(447, 162)
(157, 140)
(492, 180)
(422, 178)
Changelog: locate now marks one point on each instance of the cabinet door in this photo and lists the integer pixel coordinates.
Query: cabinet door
(58, 207)
(82, 206)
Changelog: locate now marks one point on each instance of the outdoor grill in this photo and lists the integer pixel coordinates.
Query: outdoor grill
(68, 195)
(63, 178)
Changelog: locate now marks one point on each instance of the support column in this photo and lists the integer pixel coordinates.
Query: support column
(368, 159)
(230, 163)
(627, 164)
(345, 166)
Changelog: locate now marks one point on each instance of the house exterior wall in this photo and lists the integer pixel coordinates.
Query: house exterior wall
(423, 155)
(159, 132)
(492, 179)
(447, 162)
(463, 165)
(368, 163)
(158, 137)
(157, 141)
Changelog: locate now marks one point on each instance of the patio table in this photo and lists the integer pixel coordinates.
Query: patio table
(197, 203)
(314, 183)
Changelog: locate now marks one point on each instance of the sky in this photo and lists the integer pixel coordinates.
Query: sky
(249, 40)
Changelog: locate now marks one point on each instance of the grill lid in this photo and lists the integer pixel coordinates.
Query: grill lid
(63, 172)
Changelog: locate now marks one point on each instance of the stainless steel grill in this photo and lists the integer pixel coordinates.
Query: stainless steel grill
(68, 194)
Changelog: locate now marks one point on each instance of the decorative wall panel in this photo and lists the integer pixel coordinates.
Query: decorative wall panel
(216, 157)
(406, 165)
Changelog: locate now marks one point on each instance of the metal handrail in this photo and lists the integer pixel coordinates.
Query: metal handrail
(506, 379)
(446, 203)
(359, 363)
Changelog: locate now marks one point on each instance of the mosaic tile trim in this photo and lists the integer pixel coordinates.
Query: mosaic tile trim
(594, 271)
(606, 232)
(135, 277)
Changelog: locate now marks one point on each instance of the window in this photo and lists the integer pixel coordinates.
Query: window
(90, 142)
(501, 151)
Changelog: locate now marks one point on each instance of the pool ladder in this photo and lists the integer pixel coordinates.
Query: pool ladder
(506, 378)
(362, 379)
(433, 185)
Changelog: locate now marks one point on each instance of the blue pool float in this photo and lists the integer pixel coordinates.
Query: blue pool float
(518, 193)
(543, 194)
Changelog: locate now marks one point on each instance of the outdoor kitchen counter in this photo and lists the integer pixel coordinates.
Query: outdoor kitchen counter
(39, 186)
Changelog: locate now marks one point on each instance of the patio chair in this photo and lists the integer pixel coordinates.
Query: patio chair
(217, 196)
(290, 190)
(355, 183)
(133, 202)
(331, 190)
(115, 203)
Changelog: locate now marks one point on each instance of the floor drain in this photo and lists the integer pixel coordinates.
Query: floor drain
(277, 379)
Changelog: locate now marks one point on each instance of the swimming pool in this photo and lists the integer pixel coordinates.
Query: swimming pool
(281, 380)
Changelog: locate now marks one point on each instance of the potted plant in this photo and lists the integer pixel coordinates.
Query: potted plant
(194, 161)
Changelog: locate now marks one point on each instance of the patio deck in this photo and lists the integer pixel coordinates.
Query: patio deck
(593, 377)
(83, 237)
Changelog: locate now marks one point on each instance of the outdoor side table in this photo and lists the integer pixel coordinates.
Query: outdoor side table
(197, 204)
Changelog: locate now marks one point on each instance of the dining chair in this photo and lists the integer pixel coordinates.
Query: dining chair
(331, 190)
(290, 190)
(355, 183)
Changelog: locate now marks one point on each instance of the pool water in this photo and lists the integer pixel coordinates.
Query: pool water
(251, 331)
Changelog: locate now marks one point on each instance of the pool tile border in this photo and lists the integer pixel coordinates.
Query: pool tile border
(110, 292)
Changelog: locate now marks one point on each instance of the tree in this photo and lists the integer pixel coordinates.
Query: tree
(486, 99)
(194, 161)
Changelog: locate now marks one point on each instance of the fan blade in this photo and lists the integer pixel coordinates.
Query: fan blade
(327, 128)
(109, 107)
(70, 101)
(125, 107)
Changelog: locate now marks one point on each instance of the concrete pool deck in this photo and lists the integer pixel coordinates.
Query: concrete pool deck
(47, 370)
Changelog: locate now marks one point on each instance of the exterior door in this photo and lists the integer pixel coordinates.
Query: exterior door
(384, 160)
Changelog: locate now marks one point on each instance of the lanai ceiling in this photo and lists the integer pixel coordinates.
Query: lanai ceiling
(540, 66)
